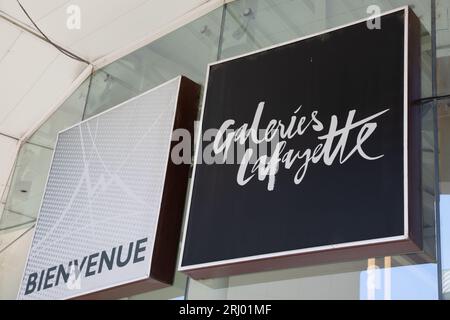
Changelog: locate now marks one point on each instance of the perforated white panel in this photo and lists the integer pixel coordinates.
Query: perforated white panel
(104, 190)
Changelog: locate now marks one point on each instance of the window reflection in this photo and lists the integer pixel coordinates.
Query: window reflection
(416, 282)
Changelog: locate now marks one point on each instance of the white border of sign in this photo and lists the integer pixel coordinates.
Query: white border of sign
(405, 236)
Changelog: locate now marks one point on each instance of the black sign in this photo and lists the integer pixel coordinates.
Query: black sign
(340, 179)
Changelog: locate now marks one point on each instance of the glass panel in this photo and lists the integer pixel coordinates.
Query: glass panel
(12, 221)
(443, 46)
(255, 24)
(106, 92)
(33, 162)
(429, 193)
(186, 51)
(70, 113)
(27, 185)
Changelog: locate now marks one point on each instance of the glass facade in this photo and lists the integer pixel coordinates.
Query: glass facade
(239, 27)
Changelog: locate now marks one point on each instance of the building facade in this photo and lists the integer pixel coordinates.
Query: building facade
(232, 29)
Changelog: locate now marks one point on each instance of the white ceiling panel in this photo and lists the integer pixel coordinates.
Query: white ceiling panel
(106, 25)
(139, 22)
(95, 15)
(21, 68)
(37, 9)
(49, 85)
(8, 35)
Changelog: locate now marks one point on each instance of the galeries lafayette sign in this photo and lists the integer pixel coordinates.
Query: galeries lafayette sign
(332, 144)
(318, 153)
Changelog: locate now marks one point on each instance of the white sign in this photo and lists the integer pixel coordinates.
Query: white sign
(99, 216)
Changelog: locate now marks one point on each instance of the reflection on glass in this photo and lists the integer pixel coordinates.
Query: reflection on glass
(27, 186)
(428, 179)
(255, 24)
(417, 282)
(11, 221)
(33, 163)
